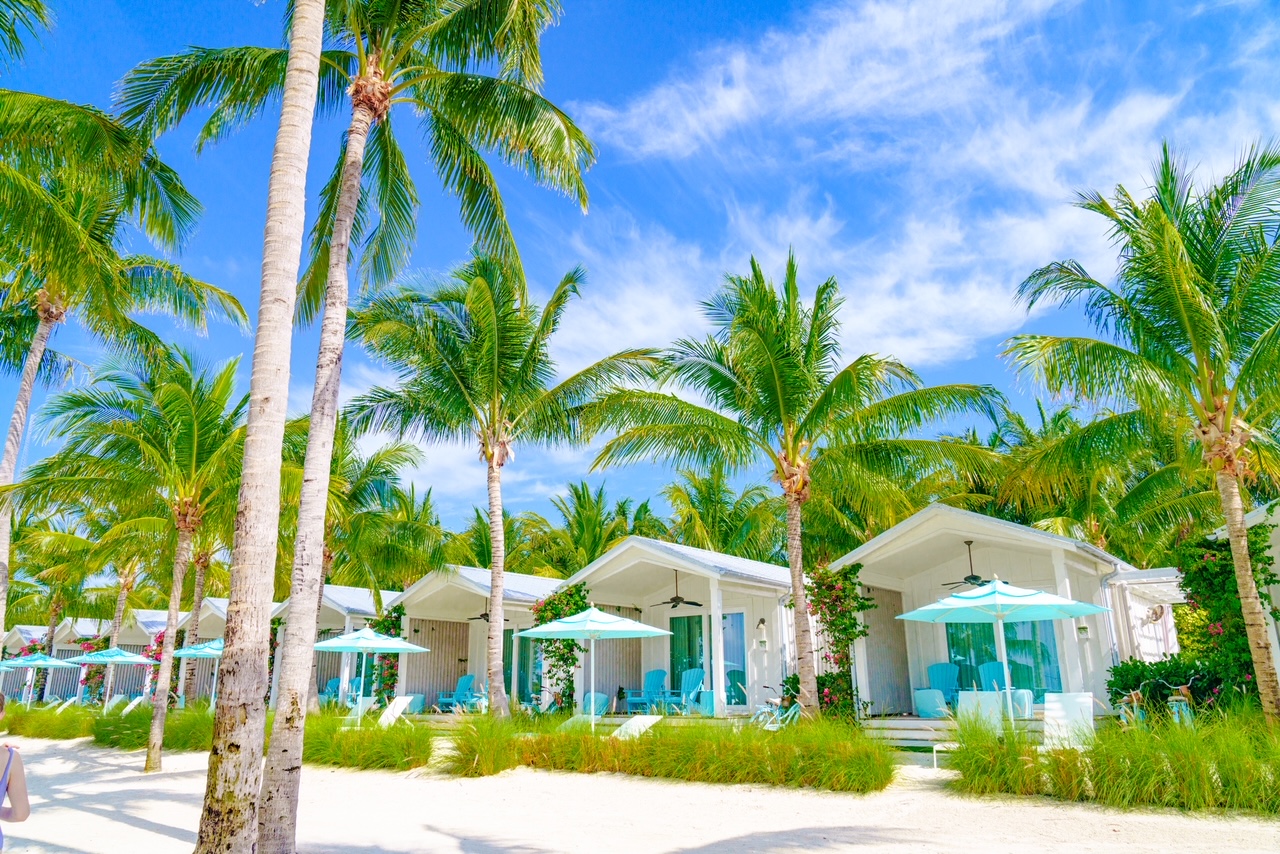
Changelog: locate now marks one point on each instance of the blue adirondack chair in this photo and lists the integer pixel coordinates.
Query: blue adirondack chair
(330, 692)
(736, 683)
(462, 693)
(945, 677)
(595, 704)
(651, 695)
(686, 700)
(990, 676)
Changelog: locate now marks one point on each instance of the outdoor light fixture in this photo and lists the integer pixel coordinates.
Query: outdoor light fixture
(1083, 632)
(763, 639)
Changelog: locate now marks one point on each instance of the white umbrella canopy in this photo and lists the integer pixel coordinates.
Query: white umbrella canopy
(997, 602)
(592, 625)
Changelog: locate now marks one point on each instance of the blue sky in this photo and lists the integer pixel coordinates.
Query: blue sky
(925, 154)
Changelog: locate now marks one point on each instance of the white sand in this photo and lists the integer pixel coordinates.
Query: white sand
(90, 800)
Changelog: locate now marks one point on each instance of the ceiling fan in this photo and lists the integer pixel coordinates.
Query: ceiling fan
(972, 579)
(484, 615)
(677, 600)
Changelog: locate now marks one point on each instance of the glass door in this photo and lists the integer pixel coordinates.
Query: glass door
(735, 658)
(686, 646)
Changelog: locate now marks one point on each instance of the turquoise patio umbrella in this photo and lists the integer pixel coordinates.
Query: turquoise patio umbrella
(34, 662)
(208, 649)
(996, 602)
(592, 625)
(110, 657)
(365, 641)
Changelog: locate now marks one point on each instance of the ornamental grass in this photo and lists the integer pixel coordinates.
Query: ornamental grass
(827, 755)
(74, 722)
(330, 741)
(1227, 761)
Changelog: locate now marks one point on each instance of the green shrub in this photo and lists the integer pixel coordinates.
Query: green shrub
(189, 729)
(395, 748)
(820, 755)
(1229, 760)
(74, 722)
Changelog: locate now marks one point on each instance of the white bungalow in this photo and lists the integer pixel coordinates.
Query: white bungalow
(447, 612)
(342, 610)
(724, 613)
(15, 639)
(926, 557)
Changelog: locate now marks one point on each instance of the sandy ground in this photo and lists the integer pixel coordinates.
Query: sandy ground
(86, 799)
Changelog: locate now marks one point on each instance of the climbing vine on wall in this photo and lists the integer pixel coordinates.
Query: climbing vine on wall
(560, 657)
(836, 601)
(386, 668)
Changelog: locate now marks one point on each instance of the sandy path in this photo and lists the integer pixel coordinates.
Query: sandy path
(91, 800)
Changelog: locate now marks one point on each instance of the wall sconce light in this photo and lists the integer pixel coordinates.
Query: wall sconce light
(1082, 632)
(763, 639)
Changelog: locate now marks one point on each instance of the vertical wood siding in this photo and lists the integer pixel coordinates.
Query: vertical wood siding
(619, 662)
(887, 669)
(432, 672)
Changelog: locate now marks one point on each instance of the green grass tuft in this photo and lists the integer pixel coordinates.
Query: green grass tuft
(820, 755)
(74, 722)
(1228, 761)
(395, 748)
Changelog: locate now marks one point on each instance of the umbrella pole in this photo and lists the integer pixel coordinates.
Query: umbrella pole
(1003, 653)
(592, 661)
(213, 694)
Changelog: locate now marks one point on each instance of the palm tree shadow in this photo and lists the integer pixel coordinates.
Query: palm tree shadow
(803, 839)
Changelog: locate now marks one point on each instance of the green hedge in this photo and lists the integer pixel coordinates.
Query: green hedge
(395, 748)
(1227, 761)
(74, 722)
(828, 755)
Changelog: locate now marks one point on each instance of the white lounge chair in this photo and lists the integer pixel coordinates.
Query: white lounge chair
(1068, 721)
(635, 726)
(116, 699)
(392, 713)
(73, 701)
(133, 704)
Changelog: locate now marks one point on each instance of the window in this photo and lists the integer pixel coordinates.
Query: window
(528, 666)
(1032, 647)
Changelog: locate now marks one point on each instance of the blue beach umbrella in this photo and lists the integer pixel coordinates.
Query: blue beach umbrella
(208, 649)
(592, 625)
(996, 602)
(366, 641)
(34, 662)
(110, 657)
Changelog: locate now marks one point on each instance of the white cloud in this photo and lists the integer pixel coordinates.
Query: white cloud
(877, 60)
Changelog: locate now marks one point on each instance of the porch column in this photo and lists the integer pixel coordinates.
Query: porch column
(1073, 677)
(275, 665)
(404, 633)
(181, 664)
(344, 686)
(717, 649)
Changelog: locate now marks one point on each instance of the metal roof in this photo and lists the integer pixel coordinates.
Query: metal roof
(355, 600)
(697, 559)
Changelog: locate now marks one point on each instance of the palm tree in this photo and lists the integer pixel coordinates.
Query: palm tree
(228, 818)
(708, 514)
(473, 546)
(588, 528)
(73, 182)
(475, 363)
(775, 394)
(1192, 332)
(16, 18)
(166, 437)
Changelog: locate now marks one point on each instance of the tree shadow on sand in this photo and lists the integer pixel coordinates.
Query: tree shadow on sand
(804, 839)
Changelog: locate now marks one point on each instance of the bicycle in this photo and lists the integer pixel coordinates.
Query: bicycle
(771, 716)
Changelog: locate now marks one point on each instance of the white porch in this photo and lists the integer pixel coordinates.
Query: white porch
(907, 567)
(734, 618)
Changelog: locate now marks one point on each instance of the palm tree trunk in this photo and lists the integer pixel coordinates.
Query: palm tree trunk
(55, 616)
(160, 693)
(229, 820)
(117, 619)
(804, 628)
(498, 547)
(13, 442)
(1255, 626)
(313, 688)
(193, 629)
(278, 801)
